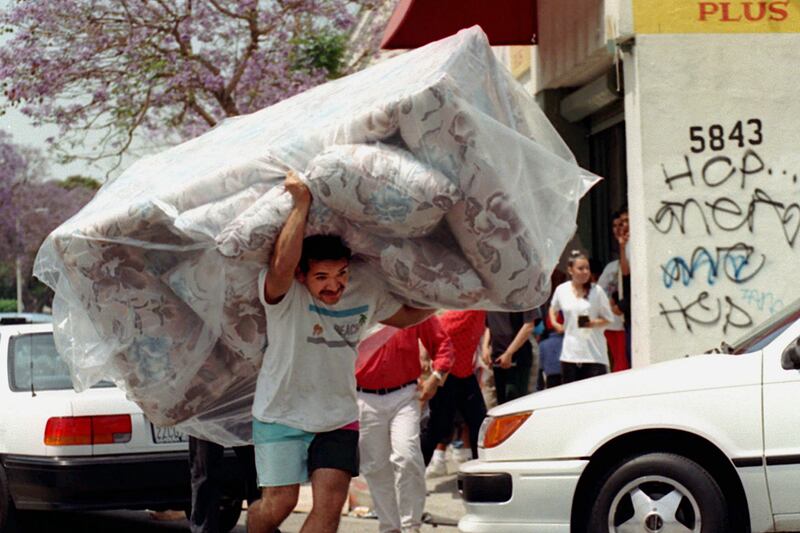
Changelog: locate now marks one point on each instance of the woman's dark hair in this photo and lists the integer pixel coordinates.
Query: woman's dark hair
(322, 248)
(574, 255)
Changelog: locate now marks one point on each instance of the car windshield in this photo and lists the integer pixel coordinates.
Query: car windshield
(763, 334)
(35, 356)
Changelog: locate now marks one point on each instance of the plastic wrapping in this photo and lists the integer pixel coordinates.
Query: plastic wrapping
(435, 167)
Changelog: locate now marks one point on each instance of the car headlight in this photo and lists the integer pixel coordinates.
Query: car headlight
(497, 429)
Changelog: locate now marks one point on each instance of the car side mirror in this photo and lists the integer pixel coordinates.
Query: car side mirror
(790, 359)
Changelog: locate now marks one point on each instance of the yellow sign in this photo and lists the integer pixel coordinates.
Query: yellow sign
(731, 16)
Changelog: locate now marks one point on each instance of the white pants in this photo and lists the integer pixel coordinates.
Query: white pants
(391, 457)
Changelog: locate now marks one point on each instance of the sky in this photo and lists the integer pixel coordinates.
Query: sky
(24, 132)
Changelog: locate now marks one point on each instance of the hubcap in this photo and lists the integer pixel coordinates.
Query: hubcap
(654, 504)
(653, 522)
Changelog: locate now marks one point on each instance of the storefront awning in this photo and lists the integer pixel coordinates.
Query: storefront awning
(418, 22)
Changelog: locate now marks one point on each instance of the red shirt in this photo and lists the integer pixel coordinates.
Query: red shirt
(396, 362)
(465, 329)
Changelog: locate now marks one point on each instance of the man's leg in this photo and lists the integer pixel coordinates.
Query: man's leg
(406, 457)
(204, 461)
(501, 377)
(332, 461)
(440, 423)
(269, 512)
(520, 381)
(473, 409)
(247, 463)
(281, 457)
(329, 488)
(375, 449)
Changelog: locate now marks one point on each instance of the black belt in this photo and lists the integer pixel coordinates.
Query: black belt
(386, 390)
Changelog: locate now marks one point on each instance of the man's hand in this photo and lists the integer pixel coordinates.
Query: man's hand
(299, 190)
(486, 356)
(505, 360)
(427, 388)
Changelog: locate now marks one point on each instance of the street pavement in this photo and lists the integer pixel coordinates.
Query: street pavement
(443, 503)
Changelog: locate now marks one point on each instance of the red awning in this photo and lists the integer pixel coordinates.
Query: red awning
(418, 22)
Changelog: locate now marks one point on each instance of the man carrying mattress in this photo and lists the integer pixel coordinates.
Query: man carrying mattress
(319, 303)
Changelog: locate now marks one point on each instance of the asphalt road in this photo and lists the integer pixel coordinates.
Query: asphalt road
(142, 522)
(442, 502)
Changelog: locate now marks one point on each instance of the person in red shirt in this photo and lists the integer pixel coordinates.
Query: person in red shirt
(461, 392)
(390, 396)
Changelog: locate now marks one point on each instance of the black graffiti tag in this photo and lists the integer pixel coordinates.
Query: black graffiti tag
(717, 170)
(727, 215)
(707, 311)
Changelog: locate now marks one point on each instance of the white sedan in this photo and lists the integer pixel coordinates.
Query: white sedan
(704, 444)
(62, 450)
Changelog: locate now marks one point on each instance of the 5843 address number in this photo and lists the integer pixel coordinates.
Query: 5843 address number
(715, 137)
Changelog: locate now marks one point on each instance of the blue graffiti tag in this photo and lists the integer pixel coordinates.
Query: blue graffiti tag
(738, 263)
(762, 300)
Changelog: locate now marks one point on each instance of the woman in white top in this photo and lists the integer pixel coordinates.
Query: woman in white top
(586, 313)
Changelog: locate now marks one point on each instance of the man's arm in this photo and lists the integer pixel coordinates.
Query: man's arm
(407, 316)
(523, 335)
(486, 348)
(442, 354)
(289, 244)
(624, 261)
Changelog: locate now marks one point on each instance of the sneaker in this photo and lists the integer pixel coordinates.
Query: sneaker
(462, 455)
(436, 468)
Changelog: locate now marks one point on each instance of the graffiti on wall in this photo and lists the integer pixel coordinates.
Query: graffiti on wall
(736, 211)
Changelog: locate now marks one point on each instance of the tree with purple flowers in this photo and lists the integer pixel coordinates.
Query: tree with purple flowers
(169, 68)
(30, 208)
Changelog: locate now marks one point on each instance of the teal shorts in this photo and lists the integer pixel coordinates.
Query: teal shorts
(287, 456)
(281, 454)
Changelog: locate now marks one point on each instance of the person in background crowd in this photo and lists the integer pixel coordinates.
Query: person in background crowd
(507, 347)
(550, 356)
(586, 312)
(389, 405)
(609, 281)
(622, 235)
(461, 392)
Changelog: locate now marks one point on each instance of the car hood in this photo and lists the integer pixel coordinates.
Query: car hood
(699, 372)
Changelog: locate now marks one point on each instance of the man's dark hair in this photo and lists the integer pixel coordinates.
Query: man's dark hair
(322, 248)
(619, 212)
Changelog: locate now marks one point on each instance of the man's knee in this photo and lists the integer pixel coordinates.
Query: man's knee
(282, 497)
(330, 488)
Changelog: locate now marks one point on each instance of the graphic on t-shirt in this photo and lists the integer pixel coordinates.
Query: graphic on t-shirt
(348, 331)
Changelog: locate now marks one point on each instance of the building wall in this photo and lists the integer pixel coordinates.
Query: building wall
(575, 41)
(713, 169)
(714, 177)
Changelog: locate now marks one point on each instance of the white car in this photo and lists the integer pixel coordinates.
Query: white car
(62, 450)
(707, 444)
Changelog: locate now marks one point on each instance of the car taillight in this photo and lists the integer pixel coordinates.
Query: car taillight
(500, 428)
(110, 429)
(77, 430)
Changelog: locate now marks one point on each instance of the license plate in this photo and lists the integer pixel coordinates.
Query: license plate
(167, 435)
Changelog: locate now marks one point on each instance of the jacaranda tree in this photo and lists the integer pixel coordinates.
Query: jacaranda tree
(167, 68)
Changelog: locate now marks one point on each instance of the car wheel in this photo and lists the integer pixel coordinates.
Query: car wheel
(229, 513)
(658, 493)
(7, 510)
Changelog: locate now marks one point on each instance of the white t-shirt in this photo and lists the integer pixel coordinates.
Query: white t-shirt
(307, 379)
(582, 345)
(609, 282)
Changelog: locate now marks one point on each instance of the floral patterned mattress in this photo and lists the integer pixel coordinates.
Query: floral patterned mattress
(436, 167)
